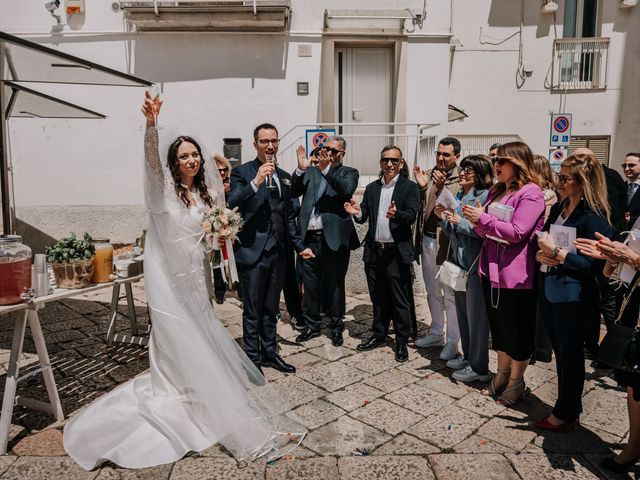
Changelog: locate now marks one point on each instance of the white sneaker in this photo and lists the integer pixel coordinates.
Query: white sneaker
(450, 351)
(457, 363)
(467, 375)
(430, 340)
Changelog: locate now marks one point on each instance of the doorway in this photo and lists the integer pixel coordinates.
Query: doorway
(363, 95)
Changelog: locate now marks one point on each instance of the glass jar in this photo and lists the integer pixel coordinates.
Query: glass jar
(102, 261)
(15, 270)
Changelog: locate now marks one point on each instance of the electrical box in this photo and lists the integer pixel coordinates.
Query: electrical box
(73, 7)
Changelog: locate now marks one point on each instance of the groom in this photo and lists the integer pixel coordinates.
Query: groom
(261, 191)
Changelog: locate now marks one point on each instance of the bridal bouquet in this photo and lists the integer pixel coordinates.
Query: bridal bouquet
(221, 227)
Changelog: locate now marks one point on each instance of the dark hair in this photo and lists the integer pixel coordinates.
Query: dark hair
(482, 167)
(263, 126)
(633, 154)
(494, 146)
(316, 151)
(451, 141)
(198, 180)
(404, 171)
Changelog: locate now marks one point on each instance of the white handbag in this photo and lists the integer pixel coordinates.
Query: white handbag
(453, 276)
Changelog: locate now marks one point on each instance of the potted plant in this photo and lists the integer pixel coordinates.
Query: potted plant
(70, 259)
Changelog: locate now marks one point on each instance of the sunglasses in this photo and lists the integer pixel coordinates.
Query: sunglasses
(499, 161)
(223, 170)
(333, 151)
(465, 171)
(629, 165)
(443, 154)
(394, 161)
(564, 179)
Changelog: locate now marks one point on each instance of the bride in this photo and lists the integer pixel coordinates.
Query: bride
(200, 388)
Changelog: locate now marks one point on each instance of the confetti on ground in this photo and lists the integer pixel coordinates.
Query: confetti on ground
(449, 427)
(483, 442)
(361, 452)
(365, 403)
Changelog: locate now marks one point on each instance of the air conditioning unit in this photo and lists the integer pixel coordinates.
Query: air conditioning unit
(627, 3)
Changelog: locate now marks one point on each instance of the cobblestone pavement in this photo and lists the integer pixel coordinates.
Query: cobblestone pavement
(412, 420)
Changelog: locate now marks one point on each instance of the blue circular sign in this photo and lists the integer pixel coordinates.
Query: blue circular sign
(561, 124)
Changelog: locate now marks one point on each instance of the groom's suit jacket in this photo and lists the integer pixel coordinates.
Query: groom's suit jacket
(255, 209)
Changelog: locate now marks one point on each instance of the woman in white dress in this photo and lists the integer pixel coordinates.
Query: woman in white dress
(200, 388)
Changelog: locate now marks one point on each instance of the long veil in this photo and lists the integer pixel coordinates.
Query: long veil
(201, 387)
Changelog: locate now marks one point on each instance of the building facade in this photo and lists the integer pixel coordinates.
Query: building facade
(376, 71)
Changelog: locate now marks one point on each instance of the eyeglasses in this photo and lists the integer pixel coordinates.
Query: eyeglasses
(465, 171)
(266, 141)
(629, 165)
(223, 170)
(394, 161)
(443, 154)
(333, 151)
(564, 179)
(499, 161)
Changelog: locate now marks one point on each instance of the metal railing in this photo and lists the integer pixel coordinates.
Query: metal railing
(580, 63)
(480, 144)
(364, 142)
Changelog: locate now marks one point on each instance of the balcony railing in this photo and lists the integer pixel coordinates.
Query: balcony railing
(580, 64)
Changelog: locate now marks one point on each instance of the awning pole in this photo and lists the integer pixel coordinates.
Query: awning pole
(7, 208)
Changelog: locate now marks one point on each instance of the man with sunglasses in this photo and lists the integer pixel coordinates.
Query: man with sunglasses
(390, 204)
(328, 231)
(261, 191)
(432, 248)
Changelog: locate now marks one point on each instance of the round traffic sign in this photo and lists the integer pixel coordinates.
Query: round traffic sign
(561, 124)
(319, 139)
(558, 155)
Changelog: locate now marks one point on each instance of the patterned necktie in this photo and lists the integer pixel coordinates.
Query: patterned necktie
(631, 191)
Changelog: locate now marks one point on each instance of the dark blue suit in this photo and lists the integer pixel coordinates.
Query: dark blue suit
(567, 297)
(324, 276)
(269, 226)
(388, 269)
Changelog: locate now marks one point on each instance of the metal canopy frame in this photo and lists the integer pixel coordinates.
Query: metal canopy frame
(10, 92)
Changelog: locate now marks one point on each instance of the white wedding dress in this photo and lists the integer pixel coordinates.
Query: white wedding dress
(200, 388)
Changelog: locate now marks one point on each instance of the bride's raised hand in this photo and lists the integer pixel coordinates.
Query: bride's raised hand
(151, 108)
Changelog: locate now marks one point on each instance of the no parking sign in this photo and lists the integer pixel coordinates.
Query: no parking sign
(318, 137)
(556, 157)
(560, 130)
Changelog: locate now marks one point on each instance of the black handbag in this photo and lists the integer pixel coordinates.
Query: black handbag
(620, 347)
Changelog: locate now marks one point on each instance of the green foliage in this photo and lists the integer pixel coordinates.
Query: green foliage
(70, 248)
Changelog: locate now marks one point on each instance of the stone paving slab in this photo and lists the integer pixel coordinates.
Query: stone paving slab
(46, 468)
(153, 473)
(390, 380)
(532, 466)
(472, 467)
(479, 444)
(317, 413)
(385, 468)
(354, 396)
(212, 468)
(344, 436)
(405, 444)
(333, 376)
(448, 427)
(386, 416)
(308, 469)
(510, 432)
(420, 399)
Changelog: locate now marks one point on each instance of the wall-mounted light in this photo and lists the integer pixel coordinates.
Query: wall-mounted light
(549, 7)
(627, 3)
(303, 88)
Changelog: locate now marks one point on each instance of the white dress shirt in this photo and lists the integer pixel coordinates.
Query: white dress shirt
(315, 222)
(383, 232)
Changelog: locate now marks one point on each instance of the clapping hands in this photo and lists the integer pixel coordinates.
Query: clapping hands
(352, 207)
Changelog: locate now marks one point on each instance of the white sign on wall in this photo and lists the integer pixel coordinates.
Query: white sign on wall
(560, 130)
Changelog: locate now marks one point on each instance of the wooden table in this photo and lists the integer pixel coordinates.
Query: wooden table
(28, 312)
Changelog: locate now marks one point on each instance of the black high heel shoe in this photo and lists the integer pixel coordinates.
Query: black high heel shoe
(612, 465)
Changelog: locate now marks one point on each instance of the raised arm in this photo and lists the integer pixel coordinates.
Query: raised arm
(151, 155)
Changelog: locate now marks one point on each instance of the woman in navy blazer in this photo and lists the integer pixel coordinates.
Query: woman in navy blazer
(568, 292)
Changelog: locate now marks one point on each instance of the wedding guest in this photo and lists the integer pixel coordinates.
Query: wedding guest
(507, 266)
(390, 204)
(616, 253)
(543, 351)
(493, 149)
(261, 191)
(475, 176)
(224, 168)
(568, 292)
(431, 249)
(328, 231)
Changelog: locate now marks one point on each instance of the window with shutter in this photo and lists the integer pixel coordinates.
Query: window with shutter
(599, 145)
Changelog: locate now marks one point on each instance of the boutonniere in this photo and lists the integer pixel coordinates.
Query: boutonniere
(286, 182)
